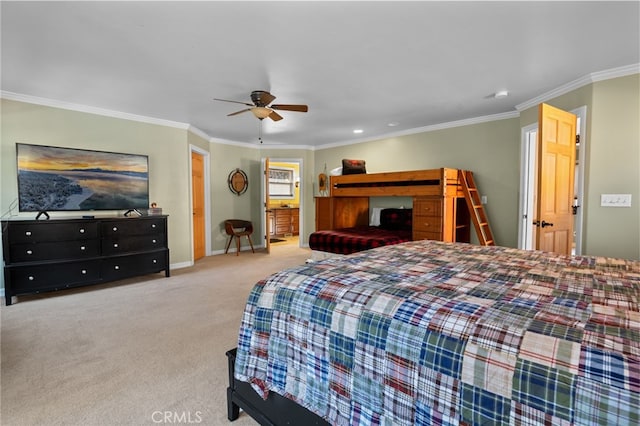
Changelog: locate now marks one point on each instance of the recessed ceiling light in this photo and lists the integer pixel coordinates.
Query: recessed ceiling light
(501, 94)
(356, 131)
(393, 124)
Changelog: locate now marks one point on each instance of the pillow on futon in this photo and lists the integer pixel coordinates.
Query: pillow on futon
(353, 167)
(396, 219)
(374, 220)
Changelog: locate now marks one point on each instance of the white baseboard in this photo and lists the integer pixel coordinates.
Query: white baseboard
(180, 265)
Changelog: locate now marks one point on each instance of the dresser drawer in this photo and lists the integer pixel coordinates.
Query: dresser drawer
(80, 249)
(427, 206)
(423, 235)
(51, 231)
(427, 224)
(125, 244)
(115, 268)
(26, 279)
(132, 227)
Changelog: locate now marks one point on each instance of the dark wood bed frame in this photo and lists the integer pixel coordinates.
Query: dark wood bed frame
(276, 410)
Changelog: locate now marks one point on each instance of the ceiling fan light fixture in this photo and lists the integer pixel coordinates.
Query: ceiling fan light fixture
(261, 112)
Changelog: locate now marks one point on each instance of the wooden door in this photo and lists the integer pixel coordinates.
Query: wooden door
(556, 164)
(267, 211)
(197, 190)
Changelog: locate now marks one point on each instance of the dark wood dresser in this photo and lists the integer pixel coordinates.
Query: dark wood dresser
(49, 255)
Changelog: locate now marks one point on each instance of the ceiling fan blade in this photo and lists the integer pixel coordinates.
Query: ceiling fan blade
(275, 116)
(238, 112)
(267, 98)
(235, 102)
(283, 107)
(261, 97)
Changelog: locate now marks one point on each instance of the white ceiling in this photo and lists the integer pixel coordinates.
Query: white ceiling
(356, 64)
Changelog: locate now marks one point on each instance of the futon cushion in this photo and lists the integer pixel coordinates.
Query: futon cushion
(396, 219)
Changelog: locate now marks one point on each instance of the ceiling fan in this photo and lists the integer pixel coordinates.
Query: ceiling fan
(261, 108)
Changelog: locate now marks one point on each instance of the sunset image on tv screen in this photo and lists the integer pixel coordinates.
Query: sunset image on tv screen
(52, 178)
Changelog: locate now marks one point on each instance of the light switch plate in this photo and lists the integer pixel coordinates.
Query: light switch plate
(615, 200)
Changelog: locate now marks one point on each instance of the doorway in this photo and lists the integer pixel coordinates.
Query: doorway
(200, 204)
(283, 194)
(528, 179)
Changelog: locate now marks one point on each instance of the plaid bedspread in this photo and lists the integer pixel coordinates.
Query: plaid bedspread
(431, 333)
(359, 238)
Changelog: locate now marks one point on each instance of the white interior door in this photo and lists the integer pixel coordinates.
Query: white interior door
(526, 229)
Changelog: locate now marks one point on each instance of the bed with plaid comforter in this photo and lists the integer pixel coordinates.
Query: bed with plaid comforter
(430, 333)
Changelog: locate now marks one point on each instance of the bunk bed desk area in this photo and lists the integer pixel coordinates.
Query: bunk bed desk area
(439, 207)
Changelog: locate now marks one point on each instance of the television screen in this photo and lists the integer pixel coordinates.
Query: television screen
(64, 179)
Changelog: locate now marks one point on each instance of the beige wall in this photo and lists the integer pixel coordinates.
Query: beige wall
(614, 168)
(224, 203)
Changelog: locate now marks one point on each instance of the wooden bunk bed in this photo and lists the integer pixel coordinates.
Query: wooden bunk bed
(439, 211)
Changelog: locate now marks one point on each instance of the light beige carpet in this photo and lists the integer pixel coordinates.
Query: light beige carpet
(143, 351)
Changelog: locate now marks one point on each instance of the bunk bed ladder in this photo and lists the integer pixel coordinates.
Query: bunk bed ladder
(476, 209)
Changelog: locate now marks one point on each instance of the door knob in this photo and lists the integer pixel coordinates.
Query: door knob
(545, 224)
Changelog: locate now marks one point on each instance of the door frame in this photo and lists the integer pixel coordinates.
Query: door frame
(263, 194)
(528, 157)
(207, 199)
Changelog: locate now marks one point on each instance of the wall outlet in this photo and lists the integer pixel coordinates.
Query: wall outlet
(615, 200)
(483, 199)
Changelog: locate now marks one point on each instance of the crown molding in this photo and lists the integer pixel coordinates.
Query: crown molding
(198, 132)
(259, 146)
(578, 83)
(233, 143)
(431, 128)
(278, 146)
(90, 110)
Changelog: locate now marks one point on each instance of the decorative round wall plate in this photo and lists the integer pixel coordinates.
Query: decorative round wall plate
(238, 182)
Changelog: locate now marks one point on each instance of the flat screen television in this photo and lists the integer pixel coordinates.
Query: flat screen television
(69, 179)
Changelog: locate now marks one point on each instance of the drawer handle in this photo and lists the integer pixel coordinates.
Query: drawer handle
(116, 267)
(82, 230)
(427, 208)
(155, 241)
(115, 228)
(29, 252)
(154, 261)
(28, 233)
(115, 245)
(82, 248)
(153, 225)
(84, 272)
(31, 278)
